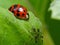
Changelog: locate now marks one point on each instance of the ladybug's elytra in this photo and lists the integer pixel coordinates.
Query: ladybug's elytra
(19, 11)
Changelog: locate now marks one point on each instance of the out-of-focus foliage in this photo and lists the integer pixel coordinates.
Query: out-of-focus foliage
(55, 9)
(52, 19)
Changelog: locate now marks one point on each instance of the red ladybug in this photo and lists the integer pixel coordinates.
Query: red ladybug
(19, 11)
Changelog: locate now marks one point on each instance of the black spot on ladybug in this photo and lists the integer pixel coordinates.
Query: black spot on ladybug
(12, 11)
(23, 14)
(24, 10)
(18, 14)
(18, 10)
(15, 6)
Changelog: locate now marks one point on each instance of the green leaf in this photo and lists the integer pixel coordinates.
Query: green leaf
(14, 31)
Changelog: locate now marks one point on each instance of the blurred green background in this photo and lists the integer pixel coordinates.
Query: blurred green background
(50, 27)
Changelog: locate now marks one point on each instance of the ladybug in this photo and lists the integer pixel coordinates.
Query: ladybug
(19, 11)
